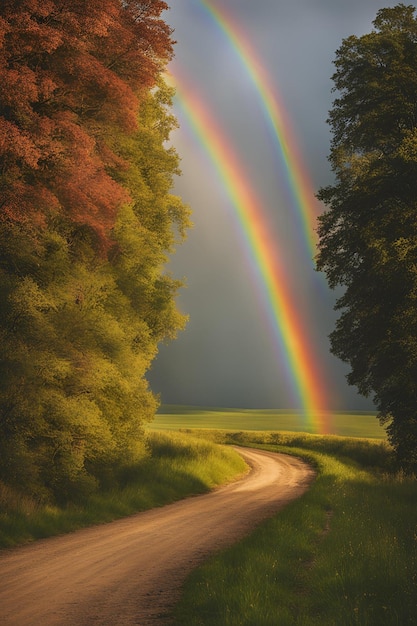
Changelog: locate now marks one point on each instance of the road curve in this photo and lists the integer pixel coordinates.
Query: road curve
(131, 571)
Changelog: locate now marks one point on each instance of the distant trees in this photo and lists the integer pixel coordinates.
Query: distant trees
(368, 235)
(86, 222)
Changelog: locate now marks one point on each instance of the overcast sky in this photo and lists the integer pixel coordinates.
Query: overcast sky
(226, 356)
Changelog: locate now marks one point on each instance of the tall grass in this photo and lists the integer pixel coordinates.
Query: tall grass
(176, 466)
(344, 554)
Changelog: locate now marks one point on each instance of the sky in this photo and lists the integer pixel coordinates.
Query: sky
(233, 352)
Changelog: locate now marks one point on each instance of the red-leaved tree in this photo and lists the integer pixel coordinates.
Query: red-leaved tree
(69, 69)
(86, 221)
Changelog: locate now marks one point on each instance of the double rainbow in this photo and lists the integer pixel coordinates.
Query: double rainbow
(306, 206)
(287, 326)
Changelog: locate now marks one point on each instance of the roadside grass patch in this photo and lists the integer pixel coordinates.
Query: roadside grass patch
(344, 554)
(176, 466)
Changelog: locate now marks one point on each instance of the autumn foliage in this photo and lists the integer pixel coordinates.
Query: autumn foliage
(86, 221)
(68, 70)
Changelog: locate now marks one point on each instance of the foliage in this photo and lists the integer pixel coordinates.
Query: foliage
(344, 553)
(68, 70)
(368, 235)
(86, 222)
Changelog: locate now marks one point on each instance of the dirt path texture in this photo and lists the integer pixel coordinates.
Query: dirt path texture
(130, 572)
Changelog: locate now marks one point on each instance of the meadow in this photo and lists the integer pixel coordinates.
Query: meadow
(344, 554)
(359, 424)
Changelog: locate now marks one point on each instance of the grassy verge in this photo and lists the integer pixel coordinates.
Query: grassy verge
(344, 554)
(177, 466)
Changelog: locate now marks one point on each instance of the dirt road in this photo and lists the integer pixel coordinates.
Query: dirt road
(131, 571)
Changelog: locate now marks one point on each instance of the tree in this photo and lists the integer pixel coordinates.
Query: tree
(86, 222)
(68, 70)
(368, 234)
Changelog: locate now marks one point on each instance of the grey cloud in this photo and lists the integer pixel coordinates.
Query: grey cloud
(226, 356)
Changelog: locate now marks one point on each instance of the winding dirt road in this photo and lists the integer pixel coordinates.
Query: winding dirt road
(131, 571)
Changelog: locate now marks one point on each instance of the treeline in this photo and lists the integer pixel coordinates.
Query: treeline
(86, 222)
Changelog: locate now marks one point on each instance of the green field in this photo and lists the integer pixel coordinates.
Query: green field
(174, 417)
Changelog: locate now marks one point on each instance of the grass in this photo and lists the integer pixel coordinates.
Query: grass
(173, 417)
(177, 466)
(344, 554)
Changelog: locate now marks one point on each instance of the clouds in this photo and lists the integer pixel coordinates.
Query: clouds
(226, 356)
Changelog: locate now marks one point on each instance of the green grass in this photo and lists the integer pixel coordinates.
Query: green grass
(174, 417)
(177, 466)
(344, 554)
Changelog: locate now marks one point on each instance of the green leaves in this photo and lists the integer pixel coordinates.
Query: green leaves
(86, 223)
(368, 234)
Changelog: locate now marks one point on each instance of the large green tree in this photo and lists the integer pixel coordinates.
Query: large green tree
(86, 222)
(368, 234)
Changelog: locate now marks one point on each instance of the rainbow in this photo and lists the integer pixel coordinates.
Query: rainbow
(301, 188)
(293, 344)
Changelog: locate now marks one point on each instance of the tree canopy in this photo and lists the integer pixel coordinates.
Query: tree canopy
(86, 222)
(368, 234)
